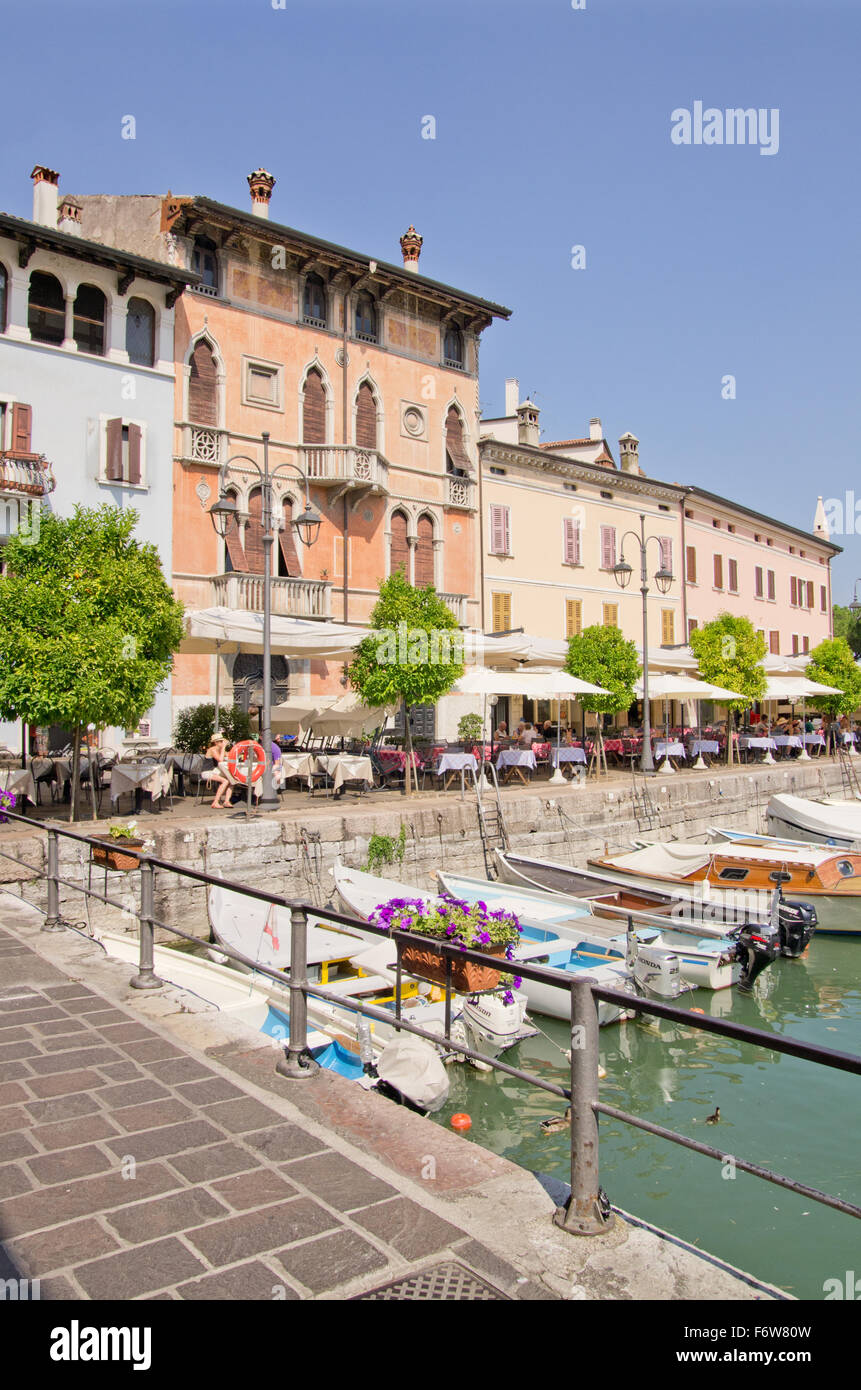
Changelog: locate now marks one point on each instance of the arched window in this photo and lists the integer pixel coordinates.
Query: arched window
(366, 319)
(204, 262)
(453, 346)
(46, 315)
(287, 560)
(203, 386)
(3, 283)
(314, 302)
(234, 558)
(314, 409)
(400, 551)
(140, 332)
(254, 533)
(89, 320)
(456, 461)
(366, 418)
(424, 566)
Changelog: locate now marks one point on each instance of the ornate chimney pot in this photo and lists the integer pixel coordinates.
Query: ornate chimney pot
(261, 183)
(411, 246)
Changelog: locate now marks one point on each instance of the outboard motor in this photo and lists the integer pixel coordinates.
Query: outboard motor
(757, 945)
(796, 921)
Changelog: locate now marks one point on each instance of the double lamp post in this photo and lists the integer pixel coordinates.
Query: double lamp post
(224, 514)
(622, 572)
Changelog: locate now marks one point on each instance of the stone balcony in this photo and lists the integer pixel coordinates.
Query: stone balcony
(459, 493)
(457, 604)
(291, 598)
(345, 466)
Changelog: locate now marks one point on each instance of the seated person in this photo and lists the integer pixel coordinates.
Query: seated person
(528, 736)
(501, 734)
(215, 754)
(568, 738)
(549, 731)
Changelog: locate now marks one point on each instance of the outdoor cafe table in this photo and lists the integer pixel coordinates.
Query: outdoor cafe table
(396, 758)
(815, 740)
(766, 745)
(567, 755)
(788, 740)
(704, 745)
(154, 778)
(448, 764)
(674, 749)
(20, 781)
(297, 765)
(515, 760)
(345, 767)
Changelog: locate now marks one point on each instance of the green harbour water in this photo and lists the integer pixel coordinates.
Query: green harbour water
(793, 1117)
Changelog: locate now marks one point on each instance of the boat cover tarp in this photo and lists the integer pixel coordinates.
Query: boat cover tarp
(826, 818)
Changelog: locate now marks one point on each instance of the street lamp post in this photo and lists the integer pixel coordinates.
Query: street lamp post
(307, 526)
(622, 572)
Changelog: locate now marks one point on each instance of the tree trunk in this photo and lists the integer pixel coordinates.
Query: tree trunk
(729, 733)
(76, 773)
(408, 739)
(94, 772)
(602, 756)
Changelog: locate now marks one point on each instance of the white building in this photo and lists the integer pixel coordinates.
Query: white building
(86, 382)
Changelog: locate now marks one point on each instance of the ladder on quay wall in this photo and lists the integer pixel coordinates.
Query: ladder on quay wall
(646, 813)
(848, 775)
(491, 820)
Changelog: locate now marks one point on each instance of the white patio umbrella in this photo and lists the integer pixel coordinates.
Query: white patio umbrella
(795, 689)
(349, 715)
(668, 686)
(294, 716)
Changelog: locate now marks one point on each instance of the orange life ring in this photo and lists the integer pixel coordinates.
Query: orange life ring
(238, 759)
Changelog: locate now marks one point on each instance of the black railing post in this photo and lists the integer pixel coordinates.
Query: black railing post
(146, 977)
(296, 1062)
(582, 1215)
(53, 921)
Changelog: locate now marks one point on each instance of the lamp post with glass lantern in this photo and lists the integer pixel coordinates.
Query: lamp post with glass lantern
(622, 572)
(307, 527)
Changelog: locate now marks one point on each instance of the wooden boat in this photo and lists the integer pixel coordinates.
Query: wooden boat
(829, 821)
(738, 871)
(712, 962)
(702, 918)
(362, 893)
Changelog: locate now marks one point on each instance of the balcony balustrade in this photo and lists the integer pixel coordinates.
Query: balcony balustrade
(291, 598)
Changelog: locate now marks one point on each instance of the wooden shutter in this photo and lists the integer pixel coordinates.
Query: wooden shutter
(22, 417)
(758, 590)
(287, 543)
(692, 626)
(233, 541)
(114, 468)
(454, 445)
(573, 617)
(666, 545)
(500, 533)
(810, 593)
(771, 584)
(668, 627)
(806, 647)
(823, 598)
(718, 571)
(795, 644)
(366, 418)
(424, 566)
(501, 612)
(134, 454)
(571, 540)
(793, 591)
(774, 643)
(203, 387)
(608, 547)
(254, 534)
(400, 552)
(314, 409)
(611, 615)
(691, 555)
(733, 576)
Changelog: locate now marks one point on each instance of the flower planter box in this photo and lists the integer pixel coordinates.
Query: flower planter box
(113, 855)
(467, 977)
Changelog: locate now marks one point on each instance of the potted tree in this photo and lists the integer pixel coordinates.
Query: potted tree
(471, 926)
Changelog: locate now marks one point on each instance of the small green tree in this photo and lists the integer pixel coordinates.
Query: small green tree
(832, 663)
(195, 726)
(847, 624)
(413, 654)
(728, 652)
(88, 625)
(603, 656)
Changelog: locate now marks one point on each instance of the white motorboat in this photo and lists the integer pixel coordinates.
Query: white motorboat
(829, 821)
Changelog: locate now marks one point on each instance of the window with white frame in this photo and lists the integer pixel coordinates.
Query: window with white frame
(608, 550)
(122, 452)
(666, 545)
(571, 540)
(500, 529)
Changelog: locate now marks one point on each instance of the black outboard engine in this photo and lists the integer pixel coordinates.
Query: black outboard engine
(757, 945)
(796, 921)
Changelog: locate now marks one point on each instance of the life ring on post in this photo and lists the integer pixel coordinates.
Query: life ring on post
(245, 753)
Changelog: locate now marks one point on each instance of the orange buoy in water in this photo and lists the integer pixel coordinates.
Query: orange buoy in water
(697, 1011)
(461, 1121)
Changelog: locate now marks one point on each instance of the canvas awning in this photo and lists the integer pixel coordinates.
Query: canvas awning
(210, 629)
(664, 686)
(795, 689)
(349, 715)
(534, 685)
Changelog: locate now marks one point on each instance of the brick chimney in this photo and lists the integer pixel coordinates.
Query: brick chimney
(45, 194)
(69, 219)
(411, 246)
(629, 457)
(261, 183)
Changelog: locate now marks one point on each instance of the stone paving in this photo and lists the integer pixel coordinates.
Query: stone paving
(131, 1169)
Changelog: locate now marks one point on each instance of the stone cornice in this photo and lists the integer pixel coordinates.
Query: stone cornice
(542, 462)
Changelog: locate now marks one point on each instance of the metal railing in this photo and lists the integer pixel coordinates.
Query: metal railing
(587, 1211)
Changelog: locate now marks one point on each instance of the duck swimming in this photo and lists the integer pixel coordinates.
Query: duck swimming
(713, 1119)
(557, 1123)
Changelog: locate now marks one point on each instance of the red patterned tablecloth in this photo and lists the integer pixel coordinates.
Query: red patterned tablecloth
(396, 757)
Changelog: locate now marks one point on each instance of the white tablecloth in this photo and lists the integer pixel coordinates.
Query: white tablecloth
(850, 738)
(128, 777)
(296, 765)
(455, 762)
(516, 757)
(344, 767)
(768, 743)
(788, 740)
(567, 755)
(704, 745)
(673, 749)
(18, 780)
(817, 739)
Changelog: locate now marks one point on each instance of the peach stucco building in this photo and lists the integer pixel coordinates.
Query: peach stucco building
(365, 375)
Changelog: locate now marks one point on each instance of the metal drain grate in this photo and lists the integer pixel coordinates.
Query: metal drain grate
(444, 1283)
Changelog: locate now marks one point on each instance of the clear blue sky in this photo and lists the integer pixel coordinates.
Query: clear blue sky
(553, 129)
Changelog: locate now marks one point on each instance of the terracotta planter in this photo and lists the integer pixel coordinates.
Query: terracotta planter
(466, 976)
(113, 856)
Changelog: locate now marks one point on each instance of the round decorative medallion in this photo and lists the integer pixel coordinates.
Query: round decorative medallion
(203, 492)
(456, 528)
(414, 420)
(367, 514)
